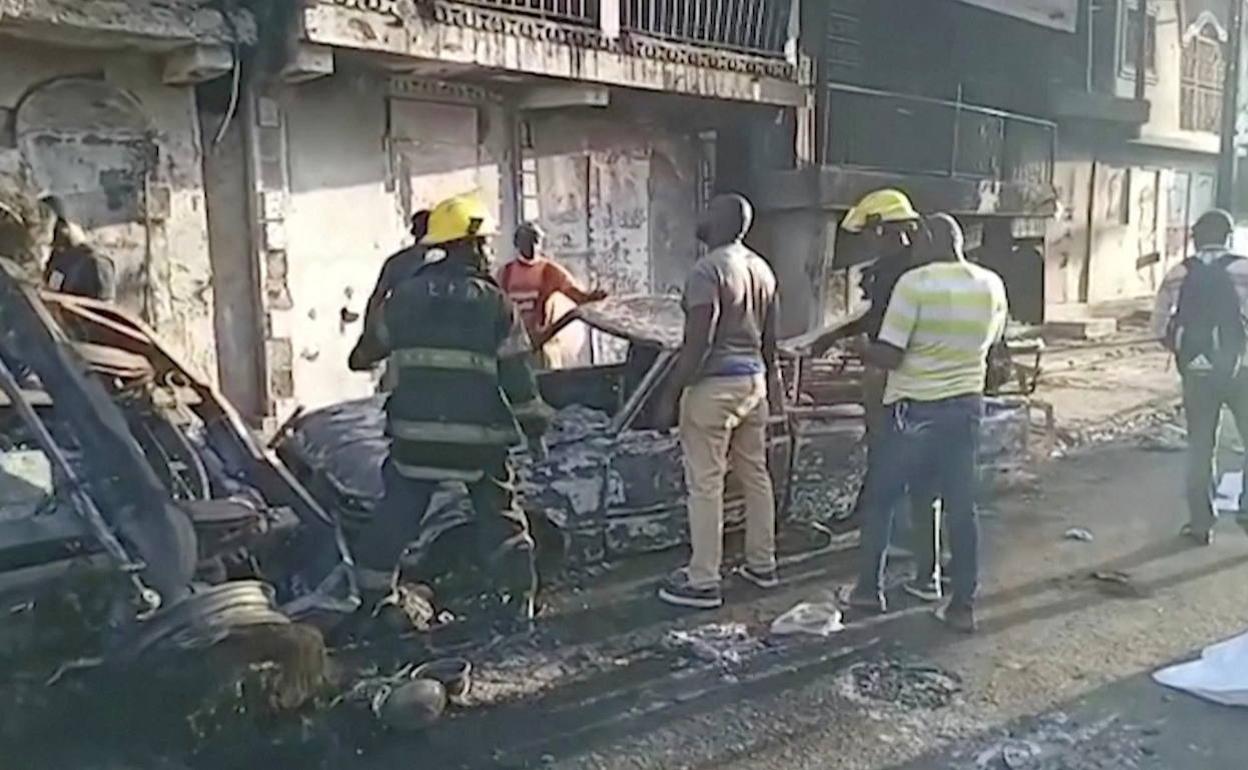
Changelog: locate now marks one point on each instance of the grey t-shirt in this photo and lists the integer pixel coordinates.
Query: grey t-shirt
(741, 287)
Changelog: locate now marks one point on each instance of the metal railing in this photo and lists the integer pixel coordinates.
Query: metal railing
(887, 131)
(574, 11)
(752, 26)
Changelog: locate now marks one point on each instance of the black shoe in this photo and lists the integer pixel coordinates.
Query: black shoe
(850, 598)
(763, 578)
(959, 617)
(926, 590)
(1200, 537)
(678, 591)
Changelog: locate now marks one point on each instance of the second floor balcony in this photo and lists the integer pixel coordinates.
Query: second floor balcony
(748, 26)
(737, 50)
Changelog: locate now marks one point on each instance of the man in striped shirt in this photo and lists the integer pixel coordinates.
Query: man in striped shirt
(941, 321)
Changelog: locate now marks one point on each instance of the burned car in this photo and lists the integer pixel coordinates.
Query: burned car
(611, 483)
(120, 469)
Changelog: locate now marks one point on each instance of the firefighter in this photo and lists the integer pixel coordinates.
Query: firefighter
(465, 382)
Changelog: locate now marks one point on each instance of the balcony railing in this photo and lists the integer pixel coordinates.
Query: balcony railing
(752, 26)
(748, 26)
(886, 131)
(574, 11)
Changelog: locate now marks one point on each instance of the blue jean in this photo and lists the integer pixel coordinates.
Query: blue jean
(929, 445)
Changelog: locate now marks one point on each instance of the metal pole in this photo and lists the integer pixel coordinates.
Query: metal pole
(1230, 109)
(1141, 50)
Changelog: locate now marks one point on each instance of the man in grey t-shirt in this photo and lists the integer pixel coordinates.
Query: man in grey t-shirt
(724, 379)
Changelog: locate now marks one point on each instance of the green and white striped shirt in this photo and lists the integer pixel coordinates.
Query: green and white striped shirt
(944, 316)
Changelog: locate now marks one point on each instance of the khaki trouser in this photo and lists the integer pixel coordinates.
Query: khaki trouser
(723, 423)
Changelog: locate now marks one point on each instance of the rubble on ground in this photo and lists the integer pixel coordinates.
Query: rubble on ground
(1056, 742)
(724, 644)
(905, 685)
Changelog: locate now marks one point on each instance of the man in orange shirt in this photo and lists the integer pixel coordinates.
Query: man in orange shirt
(531, 280)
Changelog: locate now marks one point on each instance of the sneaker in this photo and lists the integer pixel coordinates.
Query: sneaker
(926, 590)
(763, 578)
(959, 617)
(1199, 537)
(850, 598)
(678, 591)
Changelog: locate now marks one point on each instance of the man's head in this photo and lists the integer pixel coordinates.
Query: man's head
(419, 224)
(943, 240)
(1213, 229)
(885, 219)
(528, 240)
(461, 226)
(66, 234)
(726, 220)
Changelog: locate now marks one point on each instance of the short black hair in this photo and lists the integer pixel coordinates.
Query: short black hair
(1214, 228)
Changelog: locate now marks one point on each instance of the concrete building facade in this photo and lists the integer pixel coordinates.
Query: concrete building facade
(1138, 159)
(584, 116)
(97, 107)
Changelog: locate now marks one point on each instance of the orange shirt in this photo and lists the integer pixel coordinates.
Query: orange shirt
(530, 285)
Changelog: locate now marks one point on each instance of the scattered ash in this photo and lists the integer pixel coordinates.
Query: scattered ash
(907, 686)
(1058, 742)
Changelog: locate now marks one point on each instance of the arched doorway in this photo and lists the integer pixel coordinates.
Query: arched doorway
(89, 144)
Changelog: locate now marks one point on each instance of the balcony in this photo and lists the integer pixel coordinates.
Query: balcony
(735, 50)
(746, 26)
(883, 131)
(749, 26)
(585, 12)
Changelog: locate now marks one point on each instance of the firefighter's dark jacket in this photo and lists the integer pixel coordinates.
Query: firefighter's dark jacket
(464, 374)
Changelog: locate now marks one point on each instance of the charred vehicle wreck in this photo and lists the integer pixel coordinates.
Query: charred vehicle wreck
(131, 492)
(611, 483)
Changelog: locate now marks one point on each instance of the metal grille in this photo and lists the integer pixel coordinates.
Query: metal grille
(872, 129)
(754, 26)
(577, 11)
(1201, 95)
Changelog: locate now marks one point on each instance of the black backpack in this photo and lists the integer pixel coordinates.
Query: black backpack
(1207, 332)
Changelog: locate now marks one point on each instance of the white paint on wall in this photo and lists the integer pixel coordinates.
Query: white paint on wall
(360, 163)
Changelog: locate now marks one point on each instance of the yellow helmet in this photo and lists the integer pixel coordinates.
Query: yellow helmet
(880, 206)
(463, 216)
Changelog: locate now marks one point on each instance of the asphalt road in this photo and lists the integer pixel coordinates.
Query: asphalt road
(1061, 661)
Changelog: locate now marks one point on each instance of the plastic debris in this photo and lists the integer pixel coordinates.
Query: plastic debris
(1220, 675)
(1080, 534)
(725, 644)
(1167, 437)
(1018, 755)
(412, 706)
(1118, 584)
(1230, 487)
(821, 618)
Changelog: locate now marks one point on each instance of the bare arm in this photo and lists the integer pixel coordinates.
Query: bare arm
(373, 346)
(825, 341)
(566, 285)
(698, 337)
(771, 332)
(883, 355)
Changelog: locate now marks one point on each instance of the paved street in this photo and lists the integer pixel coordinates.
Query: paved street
(1060, 654)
